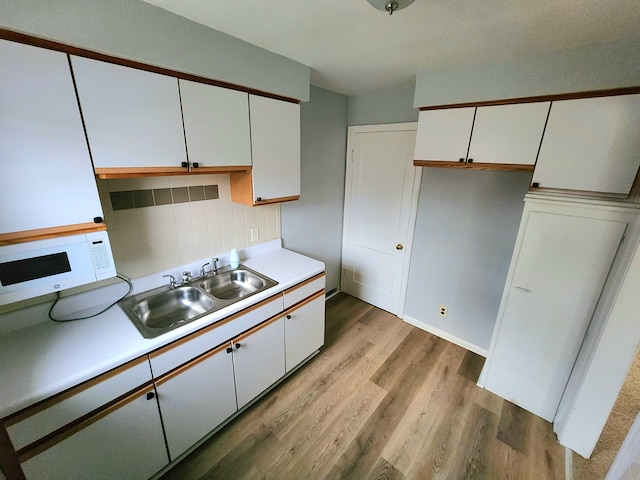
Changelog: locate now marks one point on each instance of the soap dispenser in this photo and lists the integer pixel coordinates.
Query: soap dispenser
(234, 258)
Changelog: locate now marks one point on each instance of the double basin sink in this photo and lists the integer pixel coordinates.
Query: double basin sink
(157, 311)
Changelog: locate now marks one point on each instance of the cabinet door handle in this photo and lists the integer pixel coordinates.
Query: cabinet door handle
(229, 349)
(288, 317)
(238, 346)
(184, 164)
(195, 164)
(470, 160)
(461, 159)
(258, 199)
(150, 395)
(399, 246)
(522, 289)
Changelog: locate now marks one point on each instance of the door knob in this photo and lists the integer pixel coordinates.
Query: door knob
(399, 246)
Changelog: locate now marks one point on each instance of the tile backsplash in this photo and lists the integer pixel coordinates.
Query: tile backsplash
(156, 223)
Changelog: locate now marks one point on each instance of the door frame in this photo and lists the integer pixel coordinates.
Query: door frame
(413, 209)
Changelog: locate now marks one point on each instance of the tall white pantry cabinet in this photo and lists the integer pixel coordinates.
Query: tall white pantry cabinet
(561, 261)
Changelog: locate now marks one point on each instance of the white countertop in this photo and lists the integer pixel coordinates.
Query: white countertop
(46, 358)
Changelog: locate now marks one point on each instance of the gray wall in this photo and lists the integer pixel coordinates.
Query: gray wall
(595, 67)
(313, 225)
(136, 30)
(466, 228)
(393, 105)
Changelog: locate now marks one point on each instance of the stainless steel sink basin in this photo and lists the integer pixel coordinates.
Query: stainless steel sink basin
(157, 311)
(234, 284)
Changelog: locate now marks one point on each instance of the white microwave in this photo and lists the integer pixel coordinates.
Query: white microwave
(43, 266)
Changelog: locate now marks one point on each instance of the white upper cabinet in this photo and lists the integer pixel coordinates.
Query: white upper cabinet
(275, 146)
(47, 177)
(443, 135)
(508, 134)
(591, 145)
(133, 117)
(216, 125)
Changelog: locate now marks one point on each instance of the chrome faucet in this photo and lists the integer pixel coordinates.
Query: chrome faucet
(214, 260)
(172, 281)
(203, 272)
(186, 277)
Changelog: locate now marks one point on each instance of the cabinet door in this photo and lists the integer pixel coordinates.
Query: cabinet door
(508, 134)
(47, 177)
(559, 271)
(258, 359)
(125, 441)
(275, 146)
(304, 330)
(216, 125)
(591, 145)
(133, 117)
(443, 135)
(196, 398)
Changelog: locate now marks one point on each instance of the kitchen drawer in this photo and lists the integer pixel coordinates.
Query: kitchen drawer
(45, 417)
(303, 290)
(183, 350)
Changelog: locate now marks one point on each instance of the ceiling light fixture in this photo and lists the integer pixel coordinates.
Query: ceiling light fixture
(390, 6)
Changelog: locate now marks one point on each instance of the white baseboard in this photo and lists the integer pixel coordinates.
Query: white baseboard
(447, 336)
(333, 294)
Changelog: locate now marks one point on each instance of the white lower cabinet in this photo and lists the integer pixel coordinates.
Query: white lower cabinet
(180, 393)
(258, 359)
(123, 441)
(304, 330)
(196, 398)
(561, 261)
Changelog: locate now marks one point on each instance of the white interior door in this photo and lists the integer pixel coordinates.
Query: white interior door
(380, 204)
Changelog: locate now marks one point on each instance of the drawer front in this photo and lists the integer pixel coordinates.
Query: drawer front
(303, 290)
(180, 352)
(35, 422)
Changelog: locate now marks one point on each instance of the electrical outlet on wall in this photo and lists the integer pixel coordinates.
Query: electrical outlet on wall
(442, 311)
(255, 234)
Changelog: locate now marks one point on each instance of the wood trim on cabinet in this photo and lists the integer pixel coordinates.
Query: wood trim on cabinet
(8, 459)
(302, 303)
(242, 191)
(136, 172)
(12, 238)
(268, 201)
(302, 284)
(578, 193)
(439, 164)
(83, 52)
(51, 401)
(241, 187)
(213, 326)
(258, 327)
(81, 423)
(191, 363)
(505, 167)
(610, 92)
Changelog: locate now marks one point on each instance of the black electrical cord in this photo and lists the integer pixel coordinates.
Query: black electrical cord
(55, 302)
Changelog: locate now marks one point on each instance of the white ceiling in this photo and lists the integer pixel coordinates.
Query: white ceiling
(352, 48)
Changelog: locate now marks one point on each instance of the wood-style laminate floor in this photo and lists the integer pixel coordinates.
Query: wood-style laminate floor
(383, 400)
